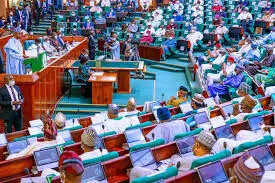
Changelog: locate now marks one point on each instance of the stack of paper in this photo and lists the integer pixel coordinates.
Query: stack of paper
(217, 121)
(36, 122)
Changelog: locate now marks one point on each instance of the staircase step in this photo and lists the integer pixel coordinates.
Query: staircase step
(167, 68)
(184, 59)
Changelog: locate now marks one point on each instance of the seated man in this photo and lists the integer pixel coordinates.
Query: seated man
(197, 10)
(119, 8)
(70, 167)
(159, 10)
(75, 31)
(50, 139)
(245, 108)
(90, 144)
(221, 30)
(177, 5)
(168, 129)
(176, 17)
(35, 49)
(111, 14)
(144, 4)
(55, 42)
(132, 28)
(268, 38)
(210, 54)
(161, 31)
(193, 37)
(88, 25)
(100, 20)
(131, 108)
(171, 42)
(157, 16)
(182, 97)
(253, 53)
(227, 70)
(268, 61)
(247, 24)
(218, 61)
(198, 20)
(232, 81)
(172, 25)
(74, 18)
(244, 15)
(248, 169)
(51, 51)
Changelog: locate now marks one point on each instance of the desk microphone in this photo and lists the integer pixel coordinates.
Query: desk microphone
(153, 136)
(225, 145)
(229, 115)
(103, 127)
(73, 122)
(162, 97)
(27, 171)
(178, 166)
(101, 152)
(78, 112)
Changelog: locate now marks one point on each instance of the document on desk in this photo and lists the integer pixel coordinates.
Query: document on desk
(36, 122)
(98, 73)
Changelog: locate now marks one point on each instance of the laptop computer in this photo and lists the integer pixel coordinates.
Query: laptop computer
(264, 155)
(213, 173)
(209, 102)
(143, 158)
(17, 146)
(134, 137)
(93, 172)
(185, 145)
(185, 107)
(46, 158)
(227, 109)
(201, 118)
(153, 105)
(65, 134)
(224, 132)
(255, 123)
(3, 139)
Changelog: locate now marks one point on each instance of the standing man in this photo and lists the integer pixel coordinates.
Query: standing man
(11, 100)
(14, 54)
(114, 47)
(92, 46)
(37, 8)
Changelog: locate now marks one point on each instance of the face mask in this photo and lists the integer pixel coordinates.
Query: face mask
(243, 38)
(234, 73)
(55, 37)
(228, 64)
(74, 29)
(171, 38)
(48, 41)
(11, 83)
(246, 43)
(133, 24)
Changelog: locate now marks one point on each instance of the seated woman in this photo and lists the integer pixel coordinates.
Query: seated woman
(50, 139)
(147, 34)
(181, 94)
(84, 73)
(90, 143)
(167, 130)
(131, 108)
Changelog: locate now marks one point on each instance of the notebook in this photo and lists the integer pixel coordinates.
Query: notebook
(154, 105)
(185, 145)
(264, 155)
(46, 158)
(134, 137)
(93, 172)
(3, 139)
(213, 173)
(209, 102)
(217, 121)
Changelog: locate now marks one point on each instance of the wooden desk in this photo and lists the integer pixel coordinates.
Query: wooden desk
(102, 88)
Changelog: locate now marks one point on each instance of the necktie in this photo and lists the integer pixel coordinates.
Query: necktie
(14, 97)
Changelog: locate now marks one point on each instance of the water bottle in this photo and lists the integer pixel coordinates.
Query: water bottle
(217, 99)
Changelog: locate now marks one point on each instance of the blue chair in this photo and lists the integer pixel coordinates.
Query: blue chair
(73, 83)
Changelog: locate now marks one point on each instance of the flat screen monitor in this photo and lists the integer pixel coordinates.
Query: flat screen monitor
(142, 158)
(46, 158)
(227, 109)
(262, 154)
(201, 118)
(185, 107)
(185, 145)
(17, 146)
(93, 172)
(224, 132)
(66, 135)
(134, 136)
(153, 105)
(213, 173)
(255, 122)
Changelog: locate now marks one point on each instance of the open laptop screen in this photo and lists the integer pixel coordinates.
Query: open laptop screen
(201, 118)
(152, 105)
(262, 154)
(185, 107)
(142, 158)
(17, 146)
(227, 109)
(93, 172)
(66, 135)
(212, 173)
(3, 139)
(134, 135)
(185, 145)
(224, 132)
(46, 156)
(255, 122)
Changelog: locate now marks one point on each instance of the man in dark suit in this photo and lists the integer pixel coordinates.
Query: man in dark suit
(11, 100)
(37, 8)
(91, 46)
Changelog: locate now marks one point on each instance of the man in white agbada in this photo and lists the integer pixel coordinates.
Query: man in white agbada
(115, 123)
(167, 130)
(177, 5)
(244, 49)
(218, 61)
(159, 10)
(51, 51)
(161, 31)
(157, 16)
(227, 70)
(245, 14)
(90, 143)
(144, 4)
(221, 30)
(130, 109)
(193, 37)
(248, 169)
(14, 54)
(198, 20)
(197, 10)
